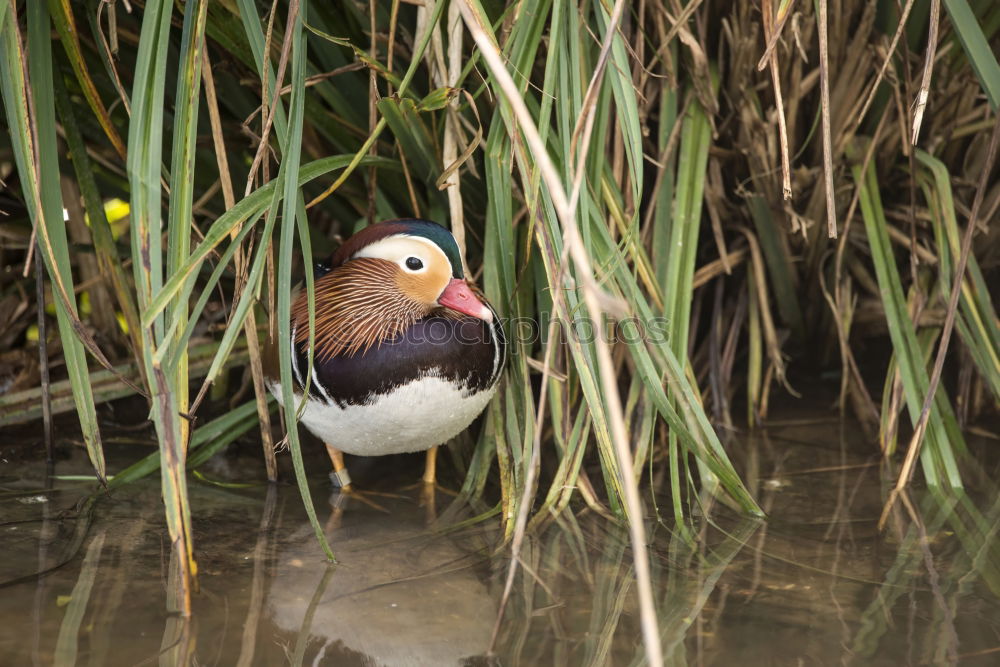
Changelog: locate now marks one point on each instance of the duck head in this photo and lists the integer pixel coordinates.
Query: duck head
(423, 260)
(383, 279)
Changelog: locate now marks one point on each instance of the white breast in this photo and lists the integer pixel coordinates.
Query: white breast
(412, 418)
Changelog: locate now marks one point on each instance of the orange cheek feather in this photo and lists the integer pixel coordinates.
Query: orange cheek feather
(423, 288)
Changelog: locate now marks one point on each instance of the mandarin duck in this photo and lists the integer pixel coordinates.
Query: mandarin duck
(407, 352)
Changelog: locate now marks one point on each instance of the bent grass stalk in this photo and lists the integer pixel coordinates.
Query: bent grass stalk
(144, 167)
(566, 213)
(33, 139)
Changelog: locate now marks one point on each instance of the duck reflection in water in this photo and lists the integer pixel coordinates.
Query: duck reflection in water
(398, 596)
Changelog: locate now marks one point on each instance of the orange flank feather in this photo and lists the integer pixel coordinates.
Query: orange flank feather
(358, 305)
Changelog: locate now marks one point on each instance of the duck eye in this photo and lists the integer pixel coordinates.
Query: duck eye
(414, 263)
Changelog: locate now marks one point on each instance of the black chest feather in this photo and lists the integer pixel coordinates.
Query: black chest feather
(464, 351)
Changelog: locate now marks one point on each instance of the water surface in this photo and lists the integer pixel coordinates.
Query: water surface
(815, 584)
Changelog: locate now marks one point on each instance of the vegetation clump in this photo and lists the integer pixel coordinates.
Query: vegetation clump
(695, 207)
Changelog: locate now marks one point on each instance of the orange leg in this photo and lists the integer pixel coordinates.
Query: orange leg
(430, 466)
(341, 479)
(339, 476)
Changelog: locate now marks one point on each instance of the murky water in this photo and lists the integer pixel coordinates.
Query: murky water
(817, 584)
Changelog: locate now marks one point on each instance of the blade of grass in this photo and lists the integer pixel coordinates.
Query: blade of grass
(925, 78)
(981, 56)
(824, 75)
(288, 189)
(247, 208)
(250, 326)
(779, 266)
(408, 127)
(182, 179)
(100, 229)
(978, 323)
(478, 27)
(938, 461)
(31, 111)
(906, 471)
(206, 441)
(692, 163)
(144, 166)
(23, 406)
(67, 645)
(435, 16)
(27, 141)
(770, 31)
(62, 17)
